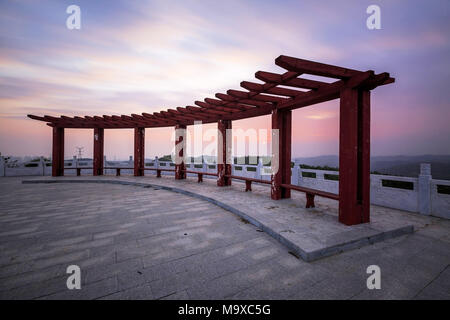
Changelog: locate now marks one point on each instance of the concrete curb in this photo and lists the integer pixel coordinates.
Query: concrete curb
(295, 249)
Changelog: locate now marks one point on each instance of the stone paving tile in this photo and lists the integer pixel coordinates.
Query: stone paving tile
(141, 292)
(139, 243)
(90, 291)
(31, 277)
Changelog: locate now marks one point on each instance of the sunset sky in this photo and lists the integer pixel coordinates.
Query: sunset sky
(145, 56)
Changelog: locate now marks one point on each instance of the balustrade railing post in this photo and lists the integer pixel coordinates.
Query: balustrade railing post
(424, 189)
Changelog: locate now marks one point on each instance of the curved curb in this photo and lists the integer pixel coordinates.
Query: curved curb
(293, 248)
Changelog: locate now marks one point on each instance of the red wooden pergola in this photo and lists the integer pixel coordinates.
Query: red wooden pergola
(278, 95)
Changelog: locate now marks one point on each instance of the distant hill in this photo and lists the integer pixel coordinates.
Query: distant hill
(408, 166)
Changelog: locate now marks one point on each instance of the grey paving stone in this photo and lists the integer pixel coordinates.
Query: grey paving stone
(147, 246)
(142, 292)
(90, 291)
(109, 270)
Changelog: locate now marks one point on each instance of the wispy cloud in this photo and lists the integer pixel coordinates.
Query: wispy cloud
(131, 57)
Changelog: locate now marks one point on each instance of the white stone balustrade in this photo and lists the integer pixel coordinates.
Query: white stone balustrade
(422, 195)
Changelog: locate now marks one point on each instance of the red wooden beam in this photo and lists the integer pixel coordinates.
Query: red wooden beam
(275, 78)
(281, 158)
(139, 147)
(255, 112)
(223, 153)
(180, 146)
(58, 152)
(229, 101)
(136, 122)
(180, 117)
(255, 96)
(195, 117)
(209, 111)
(122, 121)
(52, 119)
(331, 91)
(147, 122)
(158, 120)
(98, 151)
(270, 88)
(31, 116)
(244, 101)
(314, 68)
(215, 104)
(185, 116)
(354, 157)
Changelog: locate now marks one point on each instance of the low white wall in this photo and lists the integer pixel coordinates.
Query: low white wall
(423, 198)
(396, 198)
(440, 202)
(319, 182)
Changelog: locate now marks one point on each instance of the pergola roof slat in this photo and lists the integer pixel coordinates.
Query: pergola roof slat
(270, 77)
(314, 68)
(217, 105)
(270, 88)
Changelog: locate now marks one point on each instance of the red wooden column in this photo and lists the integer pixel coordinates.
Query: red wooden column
(58, 152)
(139, 142)
(180, 146)
(281, 158)
(354, 157)
(98, 151)
(223, 153)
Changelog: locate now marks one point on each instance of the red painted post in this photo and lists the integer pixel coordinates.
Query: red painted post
(139, 143)
(223, 153)
(98, 151)
(180, 146)
(58, 152)
(281, 160)
(354, 157)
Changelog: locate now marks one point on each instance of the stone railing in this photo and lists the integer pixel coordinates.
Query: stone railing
(422, 194)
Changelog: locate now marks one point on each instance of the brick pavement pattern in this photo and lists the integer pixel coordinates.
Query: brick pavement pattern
(143, 243)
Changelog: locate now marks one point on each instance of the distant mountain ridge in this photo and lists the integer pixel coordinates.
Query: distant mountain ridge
(408, 166)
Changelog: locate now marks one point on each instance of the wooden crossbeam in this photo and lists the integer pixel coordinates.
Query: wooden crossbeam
(207, 111)
(254, 96)
(198, 116)
(314, 68)
(147, 121)
(270, 88)
(52, 119)
(188, 116)
(276, 78)
(229, 101)
(158, 119)
(332, 91)
(242, 101)
(176, 115)
(215, 104)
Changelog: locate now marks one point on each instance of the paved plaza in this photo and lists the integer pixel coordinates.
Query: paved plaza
(144, 242)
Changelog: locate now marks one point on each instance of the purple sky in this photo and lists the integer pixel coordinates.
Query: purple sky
(146, 56)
